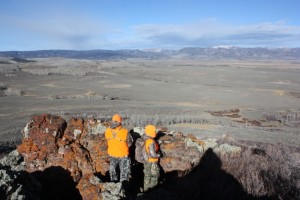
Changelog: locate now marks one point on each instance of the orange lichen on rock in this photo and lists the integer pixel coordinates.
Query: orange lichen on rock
(27, 147)
(74, 130)
(80, 148)
(89, 190)
(195, 139)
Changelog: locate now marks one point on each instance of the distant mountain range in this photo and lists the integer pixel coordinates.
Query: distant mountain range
(218, 52)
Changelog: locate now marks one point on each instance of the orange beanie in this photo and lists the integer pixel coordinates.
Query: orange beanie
(150, 130)
(117, 118)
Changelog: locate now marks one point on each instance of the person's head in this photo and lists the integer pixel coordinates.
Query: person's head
(117, 118)
(116, 121)
(150, 130)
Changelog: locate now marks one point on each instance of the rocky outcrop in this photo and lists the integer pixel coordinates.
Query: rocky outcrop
(77, 146)
(78, 149)
(55, 153)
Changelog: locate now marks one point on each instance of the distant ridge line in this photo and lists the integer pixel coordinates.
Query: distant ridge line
(217, 52)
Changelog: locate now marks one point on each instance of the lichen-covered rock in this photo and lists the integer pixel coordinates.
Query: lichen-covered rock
(8, 188)
(18, 185)
(226, 149)
(80, 148)
(112, 191)
(13, 160)
(90, 188)
(180, 154)
(40, 141)
(74, 130)
(94, 142)
(77, 146)
(209, 143)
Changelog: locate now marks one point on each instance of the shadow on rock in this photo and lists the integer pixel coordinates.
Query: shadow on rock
(206, 181)
(57, 183)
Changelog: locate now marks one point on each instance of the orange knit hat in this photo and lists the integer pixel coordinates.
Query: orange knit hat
(117, 118)
(150, 130)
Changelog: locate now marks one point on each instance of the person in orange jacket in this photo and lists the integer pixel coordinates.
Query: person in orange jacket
(118, 141)
(151, 168)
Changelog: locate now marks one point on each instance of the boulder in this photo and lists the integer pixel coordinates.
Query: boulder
(227, 149)
(180, 153)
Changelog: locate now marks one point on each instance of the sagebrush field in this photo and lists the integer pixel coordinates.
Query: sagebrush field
(249, 100)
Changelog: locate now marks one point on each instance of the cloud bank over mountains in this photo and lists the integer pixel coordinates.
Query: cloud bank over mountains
(211, 33)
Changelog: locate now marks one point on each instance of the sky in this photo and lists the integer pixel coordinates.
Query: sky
(146, 24)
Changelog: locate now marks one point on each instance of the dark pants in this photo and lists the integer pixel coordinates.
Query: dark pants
(123, 164)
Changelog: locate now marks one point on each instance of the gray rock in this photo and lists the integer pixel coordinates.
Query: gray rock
(16, 195)
(13, 160)
(95, 180)
(97, 129)
(139, 130)
(9, 188)
(190, 143)
(228, 149)
(210, 143)
(113, 191)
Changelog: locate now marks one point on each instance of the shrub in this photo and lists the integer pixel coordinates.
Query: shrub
(266, 170)
(12, 92)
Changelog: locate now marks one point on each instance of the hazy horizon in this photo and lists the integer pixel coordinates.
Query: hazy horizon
(153, 49)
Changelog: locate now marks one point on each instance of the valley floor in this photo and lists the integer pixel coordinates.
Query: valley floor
(247, 100)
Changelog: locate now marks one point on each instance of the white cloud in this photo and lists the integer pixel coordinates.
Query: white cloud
(211, 32)
(66, 30)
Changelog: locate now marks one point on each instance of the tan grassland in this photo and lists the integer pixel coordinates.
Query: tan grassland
(176, 93)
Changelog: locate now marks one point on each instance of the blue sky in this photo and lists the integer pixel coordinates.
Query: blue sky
(140, 24)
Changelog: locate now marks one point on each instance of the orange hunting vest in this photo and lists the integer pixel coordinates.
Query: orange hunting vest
(149, 141)
(116, 142)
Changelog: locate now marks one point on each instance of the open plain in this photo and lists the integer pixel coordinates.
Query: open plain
(248, 100)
